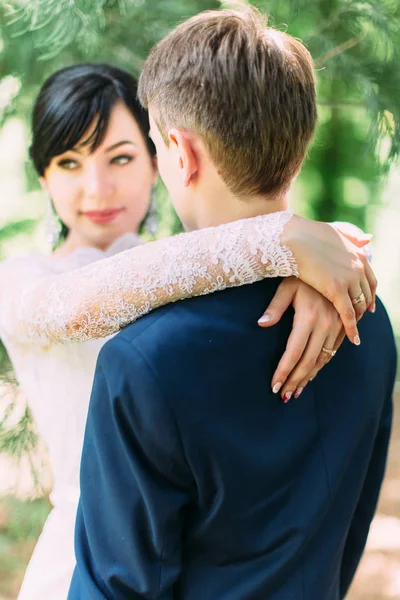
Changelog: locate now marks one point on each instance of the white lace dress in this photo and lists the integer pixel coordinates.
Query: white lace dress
(47, 306)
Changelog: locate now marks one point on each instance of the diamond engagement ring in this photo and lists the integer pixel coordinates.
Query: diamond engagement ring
(331, 352)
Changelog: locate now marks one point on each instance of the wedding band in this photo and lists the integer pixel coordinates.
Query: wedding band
(359, 299)
(331, 352)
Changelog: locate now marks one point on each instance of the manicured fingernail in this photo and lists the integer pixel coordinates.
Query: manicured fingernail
(277, 387)
(357, 340)
(312, 379)
(287, 397)
(373, 309)
(264, 319)
(297, 394)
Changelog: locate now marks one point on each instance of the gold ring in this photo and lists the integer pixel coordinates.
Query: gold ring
(359, 299)
(331, 352)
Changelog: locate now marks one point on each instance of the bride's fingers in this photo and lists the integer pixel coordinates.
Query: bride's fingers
(368, 284)
(310, 376)
(366, 289)
(373, 284)
(343, 296)
(313, 357)
(354, 234)
(339, 340)
(341, 300)
(297, 342)
(359, 240)
(361, 296)
(281, 301)
(358, 300)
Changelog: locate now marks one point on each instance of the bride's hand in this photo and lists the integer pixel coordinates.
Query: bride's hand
(334, 263)
(316, 325)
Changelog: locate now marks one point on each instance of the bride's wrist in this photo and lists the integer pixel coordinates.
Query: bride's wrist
(294, 231)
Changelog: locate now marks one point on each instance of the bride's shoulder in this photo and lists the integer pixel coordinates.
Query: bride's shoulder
(32, 263)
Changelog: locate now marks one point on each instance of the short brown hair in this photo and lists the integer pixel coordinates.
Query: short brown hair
(247, 89)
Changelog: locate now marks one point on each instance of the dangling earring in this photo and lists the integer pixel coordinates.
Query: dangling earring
(151, 221)
(53, 225)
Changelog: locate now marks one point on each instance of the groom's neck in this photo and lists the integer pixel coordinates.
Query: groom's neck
(214, 209)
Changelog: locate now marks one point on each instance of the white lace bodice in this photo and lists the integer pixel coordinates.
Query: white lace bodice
(57, 378)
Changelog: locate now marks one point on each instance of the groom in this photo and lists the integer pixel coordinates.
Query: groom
(197, 482)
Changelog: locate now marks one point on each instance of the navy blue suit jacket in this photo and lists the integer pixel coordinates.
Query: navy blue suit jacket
(198, 483)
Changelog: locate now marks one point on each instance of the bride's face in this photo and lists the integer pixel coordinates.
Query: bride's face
(106, 193)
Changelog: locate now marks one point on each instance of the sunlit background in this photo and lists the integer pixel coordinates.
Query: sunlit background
(352, 174)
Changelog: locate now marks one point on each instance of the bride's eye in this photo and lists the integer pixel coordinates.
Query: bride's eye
(122, 159)
(68, 164)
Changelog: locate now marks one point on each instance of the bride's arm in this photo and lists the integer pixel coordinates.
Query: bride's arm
(97, 300)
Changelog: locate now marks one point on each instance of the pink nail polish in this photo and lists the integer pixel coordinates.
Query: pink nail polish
(297, 394)
(357, 340)
(277, 387)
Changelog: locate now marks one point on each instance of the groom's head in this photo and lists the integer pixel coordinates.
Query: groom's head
(232, 111)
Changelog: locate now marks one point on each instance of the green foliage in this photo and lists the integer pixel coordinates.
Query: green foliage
(12, 229)
(41, 36)
(20, 525)
(356, 46)
(25, 519)
(59, 24)
(20, 439)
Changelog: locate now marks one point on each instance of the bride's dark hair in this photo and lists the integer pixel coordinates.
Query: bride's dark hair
(74, 98)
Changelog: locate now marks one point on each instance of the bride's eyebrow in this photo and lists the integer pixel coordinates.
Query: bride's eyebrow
(81, 148)
(122, 143)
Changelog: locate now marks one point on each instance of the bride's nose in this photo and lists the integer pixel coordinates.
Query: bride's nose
(99, 184)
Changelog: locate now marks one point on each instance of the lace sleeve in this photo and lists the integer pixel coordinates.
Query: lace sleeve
(97, 300)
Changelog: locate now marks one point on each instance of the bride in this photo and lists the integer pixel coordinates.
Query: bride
(91, 150)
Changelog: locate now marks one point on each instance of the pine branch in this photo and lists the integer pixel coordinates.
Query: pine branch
(328, 24)
(321, 60)
(20, 439)
(56, 24)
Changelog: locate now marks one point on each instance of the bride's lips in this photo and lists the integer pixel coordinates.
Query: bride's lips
(103, 216)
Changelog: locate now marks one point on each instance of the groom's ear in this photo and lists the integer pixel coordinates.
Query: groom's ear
(183, 145)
